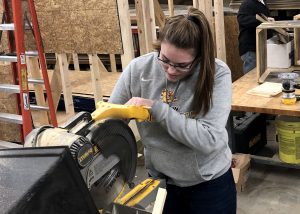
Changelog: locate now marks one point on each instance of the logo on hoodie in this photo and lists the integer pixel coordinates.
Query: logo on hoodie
(168, 96)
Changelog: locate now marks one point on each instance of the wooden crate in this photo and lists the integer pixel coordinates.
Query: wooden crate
(261, 47)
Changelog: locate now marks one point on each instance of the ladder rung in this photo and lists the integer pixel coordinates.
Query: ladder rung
(12, 118)
(11, 26)
(31, 53)
(8, 58)
(12, 57)
(7, 88)
(36, 107)
(36, 81)
(7, 27)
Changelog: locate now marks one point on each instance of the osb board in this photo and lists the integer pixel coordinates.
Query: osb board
(232, 47)
(8, 131)
(81, 26)
(81, 82)
(4, 40)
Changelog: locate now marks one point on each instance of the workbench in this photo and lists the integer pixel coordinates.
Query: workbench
(241, 101)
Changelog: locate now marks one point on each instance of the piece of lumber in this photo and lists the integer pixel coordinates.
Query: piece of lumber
(159, 201)
(219, 24)
(141, 26)
(113, 65)
(126, 34)
(207, 8)
(261, 53)
(171, 7)
(55, 84)
(66, 83)
(76, 62)
(146, 25)
(102, 68)
(160, 18)
(95, 76)
(195, 3)
(149, 24)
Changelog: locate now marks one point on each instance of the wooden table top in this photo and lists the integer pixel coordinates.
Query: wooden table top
(241, 101)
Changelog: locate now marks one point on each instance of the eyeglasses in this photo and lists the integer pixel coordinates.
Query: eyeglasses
(179, 68)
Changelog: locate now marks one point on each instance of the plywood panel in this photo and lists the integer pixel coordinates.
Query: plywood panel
(8, 131)
(4, 36)
(81, 26)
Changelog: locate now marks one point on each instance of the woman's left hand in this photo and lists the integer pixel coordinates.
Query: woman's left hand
(138, 101)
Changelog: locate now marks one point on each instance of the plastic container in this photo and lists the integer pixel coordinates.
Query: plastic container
(250, 132)
(288, 132)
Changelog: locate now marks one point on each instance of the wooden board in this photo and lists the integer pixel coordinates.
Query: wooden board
(78, 26)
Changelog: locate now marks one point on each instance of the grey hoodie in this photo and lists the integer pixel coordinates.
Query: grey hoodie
(187, 150)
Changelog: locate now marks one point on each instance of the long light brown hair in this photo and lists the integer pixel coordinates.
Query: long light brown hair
(193, 31)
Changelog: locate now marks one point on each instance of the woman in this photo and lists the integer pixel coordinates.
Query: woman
(189, 92)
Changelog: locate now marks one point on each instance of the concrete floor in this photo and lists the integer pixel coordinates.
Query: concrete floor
(269, 189)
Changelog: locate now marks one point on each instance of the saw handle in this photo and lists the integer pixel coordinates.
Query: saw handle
(106, 110)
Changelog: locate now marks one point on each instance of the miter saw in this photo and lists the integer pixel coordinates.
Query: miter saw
(101, 143)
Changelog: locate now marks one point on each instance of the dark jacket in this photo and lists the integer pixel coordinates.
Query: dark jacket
(248, 23)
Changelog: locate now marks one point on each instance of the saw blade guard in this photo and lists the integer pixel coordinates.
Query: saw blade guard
(114, 137)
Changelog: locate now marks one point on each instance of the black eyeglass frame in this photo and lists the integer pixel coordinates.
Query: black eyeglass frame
(178, 67)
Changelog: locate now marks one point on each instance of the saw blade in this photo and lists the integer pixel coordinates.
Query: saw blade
(113, 138)
(104, 196)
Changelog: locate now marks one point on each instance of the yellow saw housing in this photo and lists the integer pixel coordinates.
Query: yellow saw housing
(106, 110)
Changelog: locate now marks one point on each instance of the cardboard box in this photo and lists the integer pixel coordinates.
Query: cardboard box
(279, 55)
(241, 170)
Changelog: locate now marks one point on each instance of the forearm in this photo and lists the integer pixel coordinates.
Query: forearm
(197, 134)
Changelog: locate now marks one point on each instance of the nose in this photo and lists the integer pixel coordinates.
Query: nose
(171, 70)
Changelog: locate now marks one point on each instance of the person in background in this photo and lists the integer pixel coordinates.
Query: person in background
(247, 30)
(188, 93)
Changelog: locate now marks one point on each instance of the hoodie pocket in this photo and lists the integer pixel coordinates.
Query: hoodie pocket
(180, 167)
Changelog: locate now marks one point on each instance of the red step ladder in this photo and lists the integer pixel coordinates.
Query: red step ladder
(18, 61)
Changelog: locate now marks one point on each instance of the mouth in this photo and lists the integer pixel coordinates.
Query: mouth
(172, 77)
